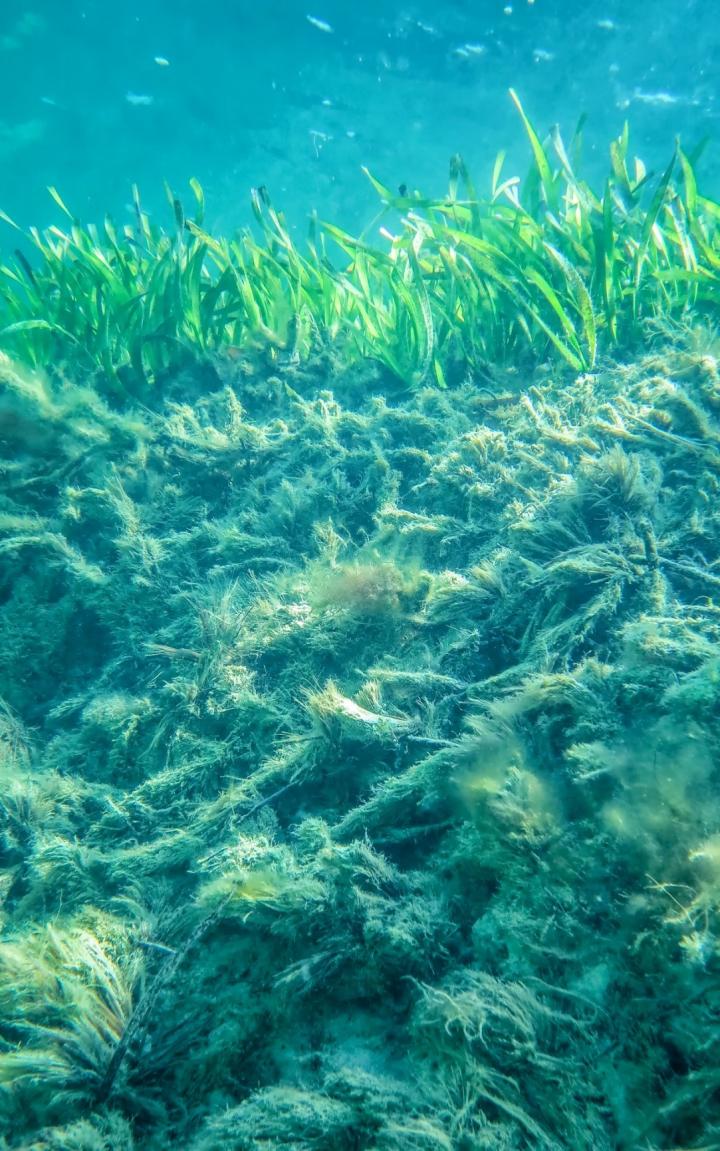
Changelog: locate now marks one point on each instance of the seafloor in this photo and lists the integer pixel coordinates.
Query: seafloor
(359, 760)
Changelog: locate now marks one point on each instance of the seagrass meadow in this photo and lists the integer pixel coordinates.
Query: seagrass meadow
(360, 673)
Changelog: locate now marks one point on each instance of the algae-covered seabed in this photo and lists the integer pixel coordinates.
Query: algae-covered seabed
(359, 756)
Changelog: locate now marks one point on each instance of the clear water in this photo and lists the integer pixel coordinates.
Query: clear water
(258, 93)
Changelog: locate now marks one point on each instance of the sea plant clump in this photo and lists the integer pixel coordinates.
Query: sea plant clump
(548, 268)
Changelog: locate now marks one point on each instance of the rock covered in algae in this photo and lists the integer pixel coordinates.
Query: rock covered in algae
(358, 763)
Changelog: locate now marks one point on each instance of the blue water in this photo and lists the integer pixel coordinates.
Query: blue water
(95, 96)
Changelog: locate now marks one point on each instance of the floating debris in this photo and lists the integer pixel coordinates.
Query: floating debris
(139, 99)
(656, 99)
(319, 140)
(321, 25)
(471, 49)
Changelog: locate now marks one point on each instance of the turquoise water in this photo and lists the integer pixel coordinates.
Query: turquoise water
(258, 94)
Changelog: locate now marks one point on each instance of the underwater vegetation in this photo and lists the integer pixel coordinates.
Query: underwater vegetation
(360, 743)
(549, 267)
